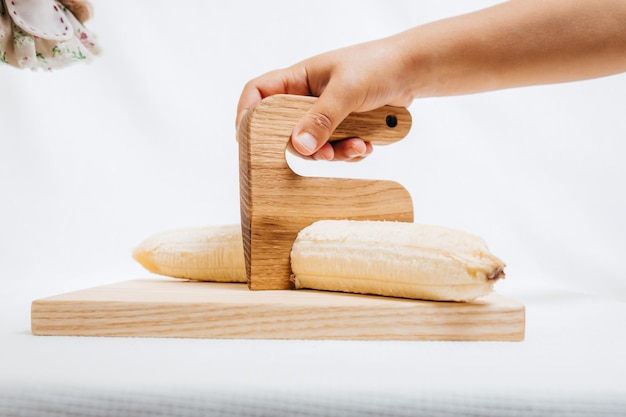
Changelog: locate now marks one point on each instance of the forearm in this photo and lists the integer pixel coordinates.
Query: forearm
(518, 43)
(513, 44)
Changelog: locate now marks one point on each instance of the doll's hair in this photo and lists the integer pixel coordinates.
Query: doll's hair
(82, 9)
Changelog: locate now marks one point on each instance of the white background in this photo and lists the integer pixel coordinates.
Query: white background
(95, 158)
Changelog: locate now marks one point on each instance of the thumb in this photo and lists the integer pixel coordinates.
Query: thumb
(313, 130)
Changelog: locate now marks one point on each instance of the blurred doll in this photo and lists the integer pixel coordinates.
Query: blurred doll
(45, 34)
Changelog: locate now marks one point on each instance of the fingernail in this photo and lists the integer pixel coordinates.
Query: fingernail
(307, 141)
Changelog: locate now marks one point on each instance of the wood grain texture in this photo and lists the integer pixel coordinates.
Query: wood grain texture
(276, 203)
(189, 309)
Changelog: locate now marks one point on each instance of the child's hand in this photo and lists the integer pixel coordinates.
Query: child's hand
(355, 79)
(513, 44)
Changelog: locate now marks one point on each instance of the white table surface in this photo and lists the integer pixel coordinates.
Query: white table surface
(571, 363)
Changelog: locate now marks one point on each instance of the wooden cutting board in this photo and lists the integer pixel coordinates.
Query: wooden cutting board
(190, 309)
(276, 204)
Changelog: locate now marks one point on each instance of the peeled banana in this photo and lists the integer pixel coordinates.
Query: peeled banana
(394, 259)
(209, 253)
(370, 257)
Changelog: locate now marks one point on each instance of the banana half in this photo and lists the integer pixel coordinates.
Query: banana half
(207, 253)
(394, 259)
(368, 257)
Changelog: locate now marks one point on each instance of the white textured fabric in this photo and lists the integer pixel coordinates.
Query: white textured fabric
(36, 401)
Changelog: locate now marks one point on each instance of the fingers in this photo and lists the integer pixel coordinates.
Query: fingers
(310, 136)
(313, 131)
(249, 96)
(291, 80)
(349, 150)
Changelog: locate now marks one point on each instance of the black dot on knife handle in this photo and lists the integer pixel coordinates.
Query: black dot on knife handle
(391, 120)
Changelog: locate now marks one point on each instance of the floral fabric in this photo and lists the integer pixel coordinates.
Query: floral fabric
(42, 34)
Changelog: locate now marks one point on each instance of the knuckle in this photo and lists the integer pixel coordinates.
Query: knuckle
(322, 122)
